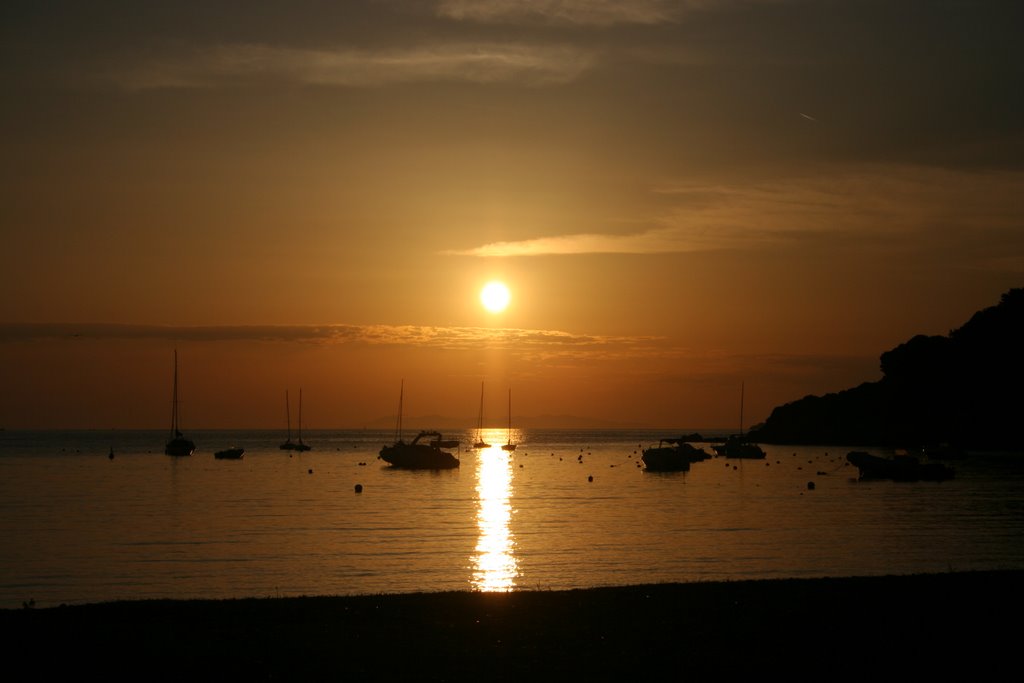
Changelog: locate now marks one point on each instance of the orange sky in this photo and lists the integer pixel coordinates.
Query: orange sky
(682, 197)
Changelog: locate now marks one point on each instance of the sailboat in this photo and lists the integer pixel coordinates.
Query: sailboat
(737, 446)
(288, 445)
(509, 446)
(178, 444)
(480, 443)
(301, 446)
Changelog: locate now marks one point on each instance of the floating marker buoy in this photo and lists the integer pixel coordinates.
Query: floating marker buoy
(359, 488)
(311, 471)
(590, 478)
(810, 486)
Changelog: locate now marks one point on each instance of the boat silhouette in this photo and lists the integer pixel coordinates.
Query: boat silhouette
(431, 454)
(178, 444)
(480, 443)
(509, 446)
(290, 445)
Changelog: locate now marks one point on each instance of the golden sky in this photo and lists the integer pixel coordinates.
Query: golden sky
(682, 197)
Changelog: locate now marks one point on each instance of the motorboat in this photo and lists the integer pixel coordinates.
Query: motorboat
(428, 451)
(897, 467)
(671, 455)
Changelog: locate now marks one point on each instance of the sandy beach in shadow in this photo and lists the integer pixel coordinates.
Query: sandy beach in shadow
(951, 624)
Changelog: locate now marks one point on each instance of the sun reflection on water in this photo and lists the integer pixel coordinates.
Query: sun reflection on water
(494, 564)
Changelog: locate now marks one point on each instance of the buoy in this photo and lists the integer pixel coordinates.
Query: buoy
(359, 488)
(590, 478)
(810, 486)
(311, 471)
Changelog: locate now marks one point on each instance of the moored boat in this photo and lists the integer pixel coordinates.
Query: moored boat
(480, 443)
(178, 445)
(509, 447)
(671, 455)
(898, 467)
(290, 445)
(421, 455)
(738, 447)
(417, 455)
(229, 454)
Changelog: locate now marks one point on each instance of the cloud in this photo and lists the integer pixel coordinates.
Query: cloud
(875, 205)
(580, 12)
(660, 241)
(427, 336)
(248, 63)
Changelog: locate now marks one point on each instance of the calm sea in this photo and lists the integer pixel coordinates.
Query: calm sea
(568, 509)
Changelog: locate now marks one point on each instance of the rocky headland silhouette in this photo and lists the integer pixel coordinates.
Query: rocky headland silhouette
(963, 390)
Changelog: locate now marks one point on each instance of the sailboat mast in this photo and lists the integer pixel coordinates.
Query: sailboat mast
(288, 414)
(300, 415)
(510, 415)
(741, 408)
(398, 425)
(174, 398)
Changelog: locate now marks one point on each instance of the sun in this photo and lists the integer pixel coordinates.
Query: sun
(495, 296)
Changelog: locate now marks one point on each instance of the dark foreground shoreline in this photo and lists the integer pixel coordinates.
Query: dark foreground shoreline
(951, 625)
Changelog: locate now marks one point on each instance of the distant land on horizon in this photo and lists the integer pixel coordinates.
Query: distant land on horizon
(963, 390)
(544, 421)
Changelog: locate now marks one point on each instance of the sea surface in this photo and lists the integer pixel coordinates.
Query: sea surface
(567, 509)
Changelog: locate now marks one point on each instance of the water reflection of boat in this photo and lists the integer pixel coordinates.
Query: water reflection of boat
(419, 455)
(671, 455)
(178, 444)
(229, 454)
(480, 443)
(898, 467)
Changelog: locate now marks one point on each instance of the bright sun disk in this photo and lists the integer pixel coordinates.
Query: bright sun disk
(495, 297)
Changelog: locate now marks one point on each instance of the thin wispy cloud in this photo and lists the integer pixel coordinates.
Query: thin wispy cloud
(243, 64)
(425, 336)
(883, 205)
(658, 241)
(581, 12)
